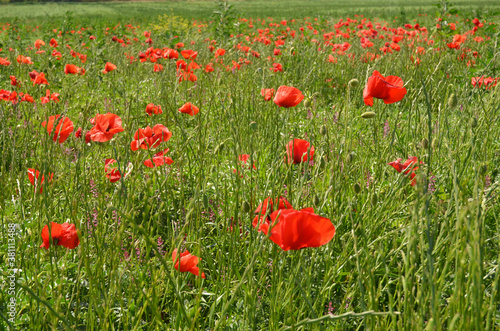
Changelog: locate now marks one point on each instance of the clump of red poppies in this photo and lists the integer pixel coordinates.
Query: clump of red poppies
(390, 89)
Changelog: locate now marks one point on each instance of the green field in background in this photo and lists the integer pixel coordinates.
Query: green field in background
(143, 11)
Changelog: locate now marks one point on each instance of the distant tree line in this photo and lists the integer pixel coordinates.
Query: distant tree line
(45, 1)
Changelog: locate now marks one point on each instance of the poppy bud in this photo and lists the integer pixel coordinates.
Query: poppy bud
(351, 157)
(205, 201)
(473, 122)
(353, 83)
(322, 162)
(357, 188)
(219, 148)
(307, 103)
(316, 200)
(434, 143)
(146, 212)
(452, 101)
(253, 126)
(245, 206)
(368, 114)
(483, 169)
(374, 199)
(323, 130)
(425, 143)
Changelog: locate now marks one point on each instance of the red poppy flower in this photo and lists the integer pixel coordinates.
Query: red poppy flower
(332, 59)
(108, 67)
(33, 177)
(265, 209)
(186, 75)
(82, 57)
(39, 43)
(209, 68)
(4, 62)
(78, 133)
(189, 54)
(296, 229)
(179, 45)
(288, 96)
(220, 52)
(267, 93)
(105, 127)
(73, 69)
(28, 98)
(53, 43)
(157, 67)
(62, 130)
(406, 167)
(181, 64)
(187, 263)
(277, 67)
(111, 173)
(192, 66)
(298, 151)
(159, 159)
(243, 160)
(56, 54)
(24, 59)
(150, 138)
(487, 82)
(64, 235)
(39, 79)
(14, 81)
(453, 45)
(170, 54)
(48, 97)
(189, 108)
(152, 109)
(390, 89)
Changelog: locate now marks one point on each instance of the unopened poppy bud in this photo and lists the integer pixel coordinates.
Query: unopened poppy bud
(219, 148)
(357, 188)
(245, 206)
(307, 103)
(452, 101)
(145, 213)
(253, 126)
(351, 157)
(483, 169)
(374, 199)
(473, 122)
(425, 143)
(368, 114)
(353, 83)
(316, 200)
(205, 201)
(434, 143)
(323, 130)
(322, 162)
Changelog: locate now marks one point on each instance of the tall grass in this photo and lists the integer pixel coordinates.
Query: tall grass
(403, 257)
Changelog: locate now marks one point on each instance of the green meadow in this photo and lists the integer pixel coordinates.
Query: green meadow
(384, 216)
